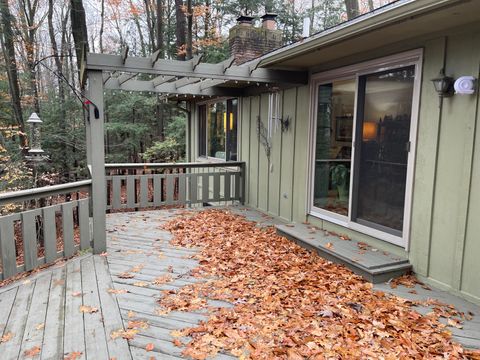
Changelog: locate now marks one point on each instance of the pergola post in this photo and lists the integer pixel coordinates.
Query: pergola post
(95, 141)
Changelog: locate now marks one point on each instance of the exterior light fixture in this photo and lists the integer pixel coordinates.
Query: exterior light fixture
(465, 85)
(443, 84)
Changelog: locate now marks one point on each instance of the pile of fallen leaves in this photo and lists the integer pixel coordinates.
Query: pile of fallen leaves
(290, 303)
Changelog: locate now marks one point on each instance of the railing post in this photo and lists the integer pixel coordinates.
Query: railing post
(97, 158)
(243, 176)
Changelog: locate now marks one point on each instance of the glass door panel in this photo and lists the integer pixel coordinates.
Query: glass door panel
(382, 134)
(333, 146)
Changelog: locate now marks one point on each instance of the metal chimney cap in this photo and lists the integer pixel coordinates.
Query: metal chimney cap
(268, 16)
(34, 118)
(245, 19)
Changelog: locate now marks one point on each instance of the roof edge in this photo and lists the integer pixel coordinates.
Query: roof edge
(398, 11)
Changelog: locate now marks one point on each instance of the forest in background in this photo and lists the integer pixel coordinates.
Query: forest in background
(41, 41)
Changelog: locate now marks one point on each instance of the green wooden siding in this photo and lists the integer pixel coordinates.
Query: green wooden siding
(445, 227)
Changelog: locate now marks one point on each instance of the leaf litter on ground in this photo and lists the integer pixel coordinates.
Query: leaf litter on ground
(290, 303)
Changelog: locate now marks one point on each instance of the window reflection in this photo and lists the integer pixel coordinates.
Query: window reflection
(333, 146)
(382, 163)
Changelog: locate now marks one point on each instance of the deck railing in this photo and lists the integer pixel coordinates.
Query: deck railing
(141, 186)
(43, 225)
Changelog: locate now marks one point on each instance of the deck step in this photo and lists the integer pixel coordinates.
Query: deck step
(374, 265)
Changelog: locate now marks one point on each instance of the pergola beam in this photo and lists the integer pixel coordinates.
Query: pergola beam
(105, 62)
(171, 88)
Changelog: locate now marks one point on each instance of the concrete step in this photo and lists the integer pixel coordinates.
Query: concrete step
(374, 265)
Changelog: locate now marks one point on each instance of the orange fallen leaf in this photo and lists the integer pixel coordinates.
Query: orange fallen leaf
(177, 343)
(137, 324)
(125, 334)
(33, 352)
(140, 284)
(73, 355)
(117, 291)
(88, 309)
(329, 245)
(131, 314)
(40, 326)
(103, 254)
(149, 347)
(77, 293)
(6, 337)
(125, 275)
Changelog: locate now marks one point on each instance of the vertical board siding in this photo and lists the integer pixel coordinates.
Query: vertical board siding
(245, 125)
(254, 153)
(263, 162)
(287, 158)
(301, 154)
(453, 170)
(274, 167)
(426, 158)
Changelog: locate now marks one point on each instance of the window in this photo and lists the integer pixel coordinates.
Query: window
(218, 130)
(362, 160)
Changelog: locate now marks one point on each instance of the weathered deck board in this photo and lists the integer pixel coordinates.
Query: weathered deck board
(34, 327)
(134, 240)
(17, 321)
(53, 333)
(95, 339)
(112, 319)
(74, 334)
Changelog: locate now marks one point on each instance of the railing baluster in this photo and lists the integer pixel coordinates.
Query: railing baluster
(226, 188)
(50, 233)
(216, 187)
(193, 188)
(237, 186)
(67, 225)
(116, 192)
(29, 234)
(205, 187)
(130, 191)
(143, 191)
(157, 189)
(182, 188)
(84, 224)
(7, 246)
(170, 188)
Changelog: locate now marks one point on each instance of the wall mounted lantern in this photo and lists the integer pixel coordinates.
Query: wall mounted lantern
(443, 84)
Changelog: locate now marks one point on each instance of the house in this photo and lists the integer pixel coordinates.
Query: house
(368, 148)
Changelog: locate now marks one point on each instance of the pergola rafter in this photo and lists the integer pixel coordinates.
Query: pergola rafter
(192, 77)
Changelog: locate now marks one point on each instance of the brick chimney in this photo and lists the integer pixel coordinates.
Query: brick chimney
(248, 42)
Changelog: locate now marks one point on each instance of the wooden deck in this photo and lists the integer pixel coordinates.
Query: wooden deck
(41, 314)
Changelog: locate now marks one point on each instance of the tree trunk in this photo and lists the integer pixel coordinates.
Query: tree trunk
(8, 49)
(102, 24)
(352, 8)
(371, 7)
(150, 24)
(160, 26)
(79, 30)
(208, 18)
(180, 29)
(61, 87)
(189, 42)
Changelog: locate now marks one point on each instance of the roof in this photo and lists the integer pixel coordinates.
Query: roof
(392, 23)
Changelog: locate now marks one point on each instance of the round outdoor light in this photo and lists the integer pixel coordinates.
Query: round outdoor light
(465, 85)
(443, 84)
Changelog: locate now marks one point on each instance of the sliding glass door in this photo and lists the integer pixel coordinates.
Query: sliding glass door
(361, 153)
(381, 157)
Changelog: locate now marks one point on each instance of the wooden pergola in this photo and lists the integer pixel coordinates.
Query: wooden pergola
(181, 80)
